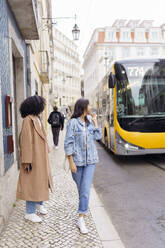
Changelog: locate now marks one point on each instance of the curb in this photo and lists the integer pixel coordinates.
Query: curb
(104, 226)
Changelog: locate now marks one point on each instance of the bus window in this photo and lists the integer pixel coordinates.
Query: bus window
(140, 94)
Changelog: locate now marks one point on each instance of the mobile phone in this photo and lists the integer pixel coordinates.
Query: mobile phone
(93, 113)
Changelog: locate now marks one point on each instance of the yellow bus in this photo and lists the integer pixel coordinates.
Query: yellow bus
(130, 103)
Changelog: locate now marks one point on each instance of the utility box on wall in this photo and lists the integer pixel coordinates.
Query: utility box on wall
(8, 112)
(10, 145)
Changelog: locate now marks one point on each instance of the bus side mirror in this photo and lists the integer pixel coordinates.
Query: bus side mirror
(111, 81)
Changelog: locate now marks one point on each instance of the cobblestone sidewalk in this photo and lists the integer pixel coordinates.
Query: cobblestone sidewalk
(58, 229)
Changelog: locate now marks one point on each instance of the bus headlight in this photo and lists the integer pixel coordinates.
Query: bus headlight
(131, 147)
(127, 146)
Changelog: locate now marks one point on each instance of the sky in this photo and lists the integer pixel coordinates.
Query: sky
(100, 13)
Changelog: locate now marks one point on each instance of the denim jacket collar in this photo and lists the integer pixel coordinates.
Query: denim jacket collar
(80, 143)
(80, 121)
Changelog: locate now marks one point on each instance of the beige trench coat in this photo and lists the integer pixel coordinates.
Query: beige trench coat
(34, 186)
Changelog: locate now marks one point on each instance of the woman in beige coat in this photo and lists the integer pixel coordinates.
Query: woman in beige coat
(35, 176)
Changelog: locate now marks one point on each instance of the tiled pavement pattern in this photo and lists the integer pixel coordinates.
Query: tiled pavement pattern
(58, 229)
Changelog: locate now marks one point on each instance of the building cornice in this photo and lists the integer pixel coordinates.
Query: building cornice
(131, 43)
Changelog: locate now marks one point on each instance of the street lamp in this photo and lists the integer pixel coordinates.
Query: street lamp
(75, 30)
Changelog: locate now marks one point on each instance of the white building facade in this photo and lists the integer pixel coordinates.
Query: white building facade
(41, 58)
(121, 40)
(67, 80)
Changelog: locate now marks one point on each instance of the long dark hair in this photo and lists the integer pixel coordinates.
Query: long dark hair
(33, 105)
(80, 106)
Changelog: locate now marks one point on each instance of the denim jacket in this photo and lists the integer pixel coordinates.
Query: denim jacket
(80, 141)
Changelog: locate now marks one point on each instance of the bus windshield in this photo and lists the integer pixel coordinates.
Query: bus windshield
(140, 90)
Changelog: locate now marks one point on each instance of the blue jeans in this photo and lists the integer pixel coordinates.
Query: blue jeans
(83, 179)
(31, 207)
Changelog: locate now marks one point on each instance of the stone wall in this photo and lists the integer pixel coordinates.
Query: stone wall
(5, 78)
(11, 44)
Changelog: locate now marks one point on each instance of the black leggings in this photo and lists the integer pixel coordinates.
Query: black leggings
(55, 131)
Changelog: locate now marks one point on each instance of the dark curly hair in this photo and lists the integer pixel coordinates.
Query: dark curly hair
(33, 105)
(79, 108)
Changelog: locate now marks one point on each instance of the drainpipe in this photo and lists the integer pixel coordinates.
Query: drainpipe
(29, 72)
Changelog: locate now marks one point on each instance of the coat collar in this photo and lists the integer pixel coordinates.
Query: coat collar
(40, 130)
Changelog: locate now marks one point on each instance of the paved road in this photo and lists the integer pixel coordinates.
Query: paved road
(133, 192)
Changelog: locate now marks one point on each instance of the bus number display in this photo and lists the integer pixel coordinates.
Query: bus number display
(136, 71)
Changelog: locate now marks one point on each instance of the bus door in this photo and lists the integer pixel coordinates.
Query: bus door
(111, 121)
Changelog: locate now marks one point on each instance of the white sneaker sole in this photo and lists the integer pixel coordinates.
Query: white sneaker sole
(32, 220)
(81, 231)
(42, 213)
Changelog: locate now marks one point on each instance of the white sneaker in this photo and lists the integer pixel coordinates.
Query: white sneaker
(56, 147)
(41, 209)
(33, 218)
(81, 225)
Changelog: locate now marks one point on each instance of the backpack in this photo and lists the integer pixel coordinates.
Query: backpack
(55, 120)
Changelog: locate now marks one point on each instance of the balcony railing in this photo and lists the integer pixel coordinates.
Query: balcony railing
(44, 60)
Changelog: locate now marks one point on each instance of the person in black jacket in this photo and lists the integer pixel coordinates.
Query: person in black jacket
(56, 120)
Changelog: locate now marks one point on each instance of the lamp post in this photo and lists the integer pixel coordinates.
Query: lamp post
(75, 30)
(106, 61)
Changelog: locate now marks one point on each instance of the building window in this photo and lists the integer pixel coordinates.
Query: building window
(140, 51)
(111, 35)
(140, 36)
(154, 35)
(125, 34)
(125, 52)
(154, 51)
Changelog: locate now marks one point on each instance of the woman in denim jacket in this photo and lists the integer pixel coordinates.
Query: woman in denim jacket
(80, 147)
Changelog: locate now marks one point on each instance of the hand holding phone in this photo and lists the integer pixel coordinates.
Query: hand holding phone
(94, 119)
(93, 116)
(27, 167)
